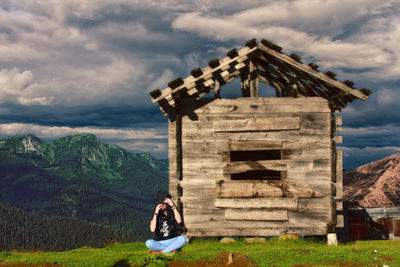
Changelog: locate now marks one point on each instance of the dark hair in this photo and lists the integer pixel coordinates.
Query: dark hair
(160, 196)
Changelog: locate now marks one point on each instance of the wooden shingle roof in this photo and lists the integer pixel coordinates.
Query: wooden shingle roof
(260, 62)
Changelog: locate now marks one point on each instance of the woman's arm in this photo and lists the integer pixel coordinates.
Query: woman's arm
(153, 223)
(177, 215)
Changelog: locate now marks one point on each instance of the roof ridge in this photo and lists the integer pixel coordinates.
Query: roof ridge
(266, 63)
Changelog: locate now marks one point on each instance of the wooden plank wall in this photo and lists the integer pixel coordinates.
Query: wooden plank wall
(301, 202)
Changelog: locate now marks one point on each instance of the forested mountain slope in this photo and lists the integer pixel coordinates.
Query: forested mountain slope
(81, 177)
(24, 231)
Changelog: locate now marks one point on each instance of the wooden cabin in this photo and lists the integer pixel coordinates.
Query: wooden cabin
(257, 166)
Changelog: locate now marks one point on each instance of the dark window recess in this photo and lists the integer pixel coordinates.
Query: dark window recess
(257, 175)
(255, 155)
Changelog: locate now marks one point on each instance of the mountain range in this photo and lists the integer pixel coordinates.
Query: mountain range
(375, 184)
(81, 177)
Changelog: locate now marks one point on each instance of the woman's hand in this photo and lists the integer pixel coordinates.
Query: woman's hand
(169, 202)
(158, 207)
(177, 216)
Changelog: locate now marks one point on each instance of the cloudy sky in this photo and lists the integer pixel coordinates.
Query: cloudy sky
(77, 66)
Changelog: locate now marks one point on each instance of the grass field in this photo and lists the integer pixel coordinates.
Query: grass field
(274, 252)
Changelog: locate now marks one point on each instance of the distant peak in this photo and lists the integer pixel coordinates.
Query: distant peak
(22, 144)
(374, 184)
(30, 137)
(381, 164)
(87, 136)
(80, 137)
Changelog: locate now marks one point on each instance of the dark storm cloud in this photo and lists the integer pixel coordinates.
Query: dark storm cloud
(381, 109)
(101, 116)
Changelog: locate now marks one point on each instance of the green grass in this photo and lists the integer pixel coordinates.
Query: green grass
(272, 253)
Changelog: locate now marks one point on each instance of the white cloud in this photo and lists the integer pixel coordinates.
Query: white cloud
(13, 81)
(155, 148)
(388, 96)
(15, 86)
(371, 130)
(43, 101)
(370, 152)
(160, 81)
(51, 132)
(310, 31)
(384, 31)
(131, 30)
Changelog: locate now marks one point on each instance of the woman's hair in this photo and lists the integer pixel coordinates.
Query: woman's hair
(169, 216)
(160, 196)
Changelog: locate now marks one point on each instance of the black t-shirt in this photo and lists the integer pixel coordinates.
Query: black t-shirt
(166, 229)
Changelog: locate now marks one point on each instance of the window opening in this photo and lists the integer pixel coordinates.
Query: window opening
(256, 155)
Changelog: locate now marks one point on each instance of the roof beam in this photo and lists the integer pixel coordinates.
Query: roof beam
(312, 72)
(190, 81)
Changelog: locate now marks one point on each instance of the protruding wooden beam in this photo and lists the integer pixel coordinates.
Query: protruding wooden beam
(214, 63)
(196, 72)
(155, 93)
(175, 83)
(313, 66)
(232, 53)
(296, 57)
(251, 43)
(366, 91)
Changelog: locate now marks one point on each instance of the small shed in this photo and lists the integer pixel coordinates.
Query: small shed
(257, 166)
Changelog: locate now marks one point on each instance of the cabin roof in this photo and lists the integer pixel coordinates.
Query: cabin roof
(266, 63)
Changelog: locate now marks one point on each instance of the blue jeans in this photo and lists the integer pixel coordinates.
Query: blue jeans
(168, 245)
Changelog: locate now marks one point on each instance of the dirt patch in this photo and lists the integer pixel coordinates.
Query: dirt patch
(223, 259)
(302, 250)
(20, 264)
(340, 264)
(388, 258)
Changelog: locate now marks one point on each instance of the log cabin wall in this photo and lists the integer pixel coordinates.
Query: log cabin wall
(256, 166)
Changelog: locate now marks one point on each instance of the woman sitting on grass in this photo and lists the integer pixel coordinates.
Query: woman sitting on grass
(165, 225)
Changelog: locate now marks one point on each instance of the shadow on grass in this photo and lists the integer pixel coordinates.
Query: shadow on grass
(121, 263)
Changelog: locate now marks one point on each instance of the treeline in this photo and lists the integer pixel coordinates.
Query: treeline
(21, 230)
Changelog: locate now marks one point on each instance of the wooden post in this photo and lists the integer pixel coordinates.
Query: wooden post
(244, 82)
(178, 159)
(179, 146)
(253, 78)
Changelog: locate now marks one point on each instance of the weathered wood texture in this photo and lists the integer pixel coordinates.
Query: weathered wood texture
(214, 204)
(242, 166)
(339, 188)
(248, 188)
(257, 124)
(173, 179)
(258, 203)
(256, 215)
